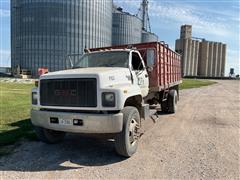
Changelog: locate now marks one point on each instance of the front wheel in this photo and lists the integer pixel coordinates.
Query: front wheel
(126, 142)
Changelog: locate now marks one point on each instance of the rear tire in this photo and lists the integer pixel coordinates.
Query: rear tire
(164, 106)
(172, 101)
(126, 142)
(49, 136)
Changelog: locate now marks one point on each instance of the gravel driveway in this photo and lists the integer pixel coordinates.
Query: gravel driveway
(200, 141)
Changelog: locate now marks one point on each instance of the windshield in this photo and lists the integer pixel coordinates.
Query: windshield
(103, 59)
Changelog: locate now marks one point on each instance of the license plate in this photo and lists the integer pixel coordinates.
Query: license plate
(65, 122)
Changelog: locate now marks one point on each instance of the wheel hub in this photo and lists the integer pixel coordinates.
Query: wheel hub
(133, 131)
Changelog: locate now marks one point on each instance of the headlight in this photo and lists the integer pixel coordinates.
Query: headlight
(108, 99)
(34, 98)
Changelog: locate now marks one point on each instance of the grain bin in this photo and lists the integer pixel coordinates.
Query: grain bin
(44, 32)
(126, 28)
(149, 37)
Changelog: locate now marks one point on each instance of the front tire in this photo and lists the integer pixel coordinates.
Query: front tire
(126, 142)
(49, 136)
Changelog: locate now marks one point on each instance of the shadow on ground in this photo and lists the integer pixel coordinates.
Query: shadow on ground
(17, 130)
(75, 152)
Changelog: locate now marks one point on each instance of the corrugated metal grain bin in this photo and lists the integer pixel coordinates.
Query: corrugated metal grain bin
(126, 28)
(44, 32)
(149, 37)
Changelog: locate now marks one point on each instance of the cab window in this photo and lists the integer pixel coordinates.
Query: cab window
(136, 62)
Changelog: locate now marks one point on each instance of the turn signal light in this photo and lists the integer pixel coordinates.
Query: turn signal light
(78, 122)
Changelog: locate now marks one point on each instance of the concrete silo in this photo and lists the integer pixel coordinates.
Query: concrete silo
(219, 59)
(215, 59)
(186, 32)
(196, 61)
(181, 47)
(200, 58)
(224, 49)
(210, 59)
(191, 61)
(44, 32)
(126, 28)
(204, 55)
(185, 56)
(189, 56)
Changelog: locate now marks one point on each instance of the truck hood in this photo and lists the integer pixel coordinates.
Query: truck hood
(84, 71)
(108, 76)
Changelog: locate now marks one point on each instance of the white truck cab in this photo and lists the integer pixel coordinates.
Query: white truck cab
(102, 94)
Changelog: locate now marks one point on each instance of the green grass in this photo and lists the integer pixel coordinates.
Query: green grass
(195, 83)
(14, 113)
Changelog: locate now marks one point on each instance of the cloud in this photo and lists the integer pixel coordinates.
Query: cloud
(234, 56)
(220, 23)
(204, 23)
(132, 3)
(4, 13)
(5, 57)
(131, 6)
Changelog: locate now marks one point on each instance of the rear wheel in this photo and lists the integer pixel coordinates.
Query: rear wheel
(164, 106)
(126, 142)
(172, 101)
(49, 136)
(170, 104)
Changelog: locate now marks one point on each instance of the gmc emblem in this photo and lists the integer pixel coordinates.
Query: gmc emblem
(67, 93)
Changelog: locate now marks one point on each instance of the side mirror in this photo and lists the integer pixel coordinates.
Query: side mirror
(150, 59)
(87, 50)
(68, 62)
(149, 68)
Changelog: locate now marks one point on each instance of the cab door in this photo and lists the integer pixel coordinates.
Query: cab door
(140, 72)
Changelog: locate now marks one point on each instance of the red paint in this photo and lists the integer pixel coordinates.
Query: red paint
(42, 71)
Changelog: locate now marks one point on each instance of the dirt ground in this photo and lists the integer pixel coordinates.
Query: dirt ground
(200, 141)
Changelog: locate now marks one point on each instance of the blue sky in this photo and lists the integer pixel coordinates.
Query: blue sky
(214, 20)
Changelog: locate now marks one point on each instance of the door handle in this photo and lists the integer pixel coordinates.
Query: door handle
(146, 75)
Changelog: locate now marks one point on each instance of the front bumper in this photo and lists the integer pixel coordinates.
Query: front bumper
(92, 123)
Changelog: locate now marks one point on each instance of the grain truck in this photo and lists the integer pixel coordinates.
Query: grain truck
(107, 91)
